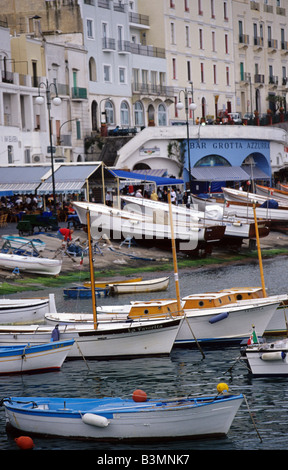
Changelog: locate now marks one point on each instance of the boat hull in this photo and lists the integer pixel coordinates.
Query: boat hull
(267, 359)
(45, 266)
(154, 420)
(227, 324)
(26, 311)
(123, 340)
(32, 359)
(22, 243)
(154, 285)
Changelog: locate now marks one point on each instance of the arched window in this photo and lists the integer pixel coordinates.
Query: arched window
(162, 116)
(213, 160)
(138, 114)
(92, 70)
(109, 110)
(124, 114)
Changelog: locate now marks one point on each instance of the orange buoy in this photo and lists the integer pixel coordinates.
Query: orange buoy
(139, 395)
(24, 442)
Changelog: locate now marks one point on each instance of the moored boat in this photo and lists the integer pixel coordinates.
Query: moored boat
(26, 311)
(267, 359)
(101, 284)
(129, 419)
(81, 292)
(38, 358)
(151, 285)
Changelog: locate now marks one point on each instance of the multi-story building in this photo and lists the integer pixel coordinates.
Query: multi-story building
(261, 52)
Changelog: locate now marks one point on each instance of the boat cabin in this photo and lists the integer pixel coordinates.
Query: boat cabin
(154, 308)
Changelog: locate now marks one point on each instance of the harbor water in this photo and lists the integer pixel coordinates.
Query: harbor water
(184, 372)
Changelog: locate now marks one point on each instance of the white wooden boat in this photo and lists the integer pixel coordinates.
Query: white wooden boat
(277, 218)
(267, 359)
(31, 264)
(27, 359)
(126, 419)
(273, 193)
(228, 323)
(23, 243)
(235, 195)
(120, 340)
(235, 228)
(101, 284)
(119, 224)
(26, 311)
(151, 285)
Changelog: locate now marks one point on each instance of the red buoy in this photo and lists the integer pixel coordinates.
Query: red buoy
(24, 442)
(139, 395)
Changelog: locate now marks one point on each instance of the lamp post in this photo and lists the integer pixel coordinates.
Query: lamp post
(188, 107)
(56, 101)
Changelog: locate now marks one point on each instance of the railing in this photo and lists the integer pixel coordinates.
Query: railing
(259, 78)
(244, 39)
(139, 19)
(148, 89)
(80, 93)
(109, 44)
(148, 50)
(273, 43)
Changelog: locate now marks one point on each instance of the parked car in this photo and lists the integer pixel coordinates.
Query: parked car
(236, 117)
(248, 116)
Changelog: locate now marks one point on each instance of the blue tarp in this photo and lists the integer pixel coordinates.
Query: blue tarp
(159, 180)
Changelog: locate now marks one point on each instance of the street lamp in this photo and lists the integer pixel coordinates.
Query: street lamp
(56, 101)
(191, 107)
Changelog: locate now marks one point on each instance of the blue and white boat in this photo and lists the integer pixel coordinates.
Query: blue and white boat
(126, 419)
(34, 359)
(22, 243)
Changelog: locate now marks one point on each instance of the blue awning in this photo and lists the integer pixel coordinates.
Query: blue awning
(21, 179)
(159, 180)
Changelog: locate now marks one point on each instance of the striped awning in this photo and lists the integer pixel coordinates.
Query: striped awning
(219, 173)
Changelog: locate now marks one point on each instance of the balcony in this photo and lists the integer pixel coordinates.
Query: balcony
(255, 6)
(273, 81)
(78, 93)
(284, 47)
(280, 11)
(258, 43)
(139, 20)
(150, 89)
(108, 44)
(150, 51)
(124, 47)
(259, 80)
(272, 45)
(7, 77)
(243, 41)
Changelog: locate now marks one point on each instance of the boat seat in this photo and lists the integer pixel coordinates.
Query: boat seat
(128, 241)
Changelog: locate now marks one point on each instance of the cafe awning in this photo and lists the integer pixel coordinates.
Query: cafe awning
(21, 179)
(69, 179)
(144, 178)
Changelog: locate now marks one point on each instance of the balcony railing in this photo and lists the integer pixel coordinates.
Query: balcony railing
(79, 93)
(273, 80)
(258, 41)
(7, 77)
(150, 51)
(273, 43)
(244, 39)
(108, 44)
(259, 79)
(139, 19)
(149, 89)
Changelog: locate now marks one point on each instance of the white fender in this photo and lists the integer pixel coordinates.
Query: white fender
(273, 356)
(95, 420)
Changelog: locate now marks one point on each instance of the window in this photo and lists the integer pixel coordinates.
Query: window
(27, 155)
(188, 71)
(162, 116)
(200, 12)
(213, 42)
(124, 114)
(78, 130)
(138, 114)
(200, 39)
(122, 75)
(10, 153)
(172, 32)
(226, 44)
(186, 5)
(212, 9)
(187, 36)
(214, 75)
(227, 76)
(202, 72)
(174, 69)
(90, 29)
(225, 12)
(109, 111)
(107, 73)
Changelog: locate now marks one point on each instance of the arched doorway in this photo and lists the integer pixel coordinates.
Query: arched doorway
(94, 109)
